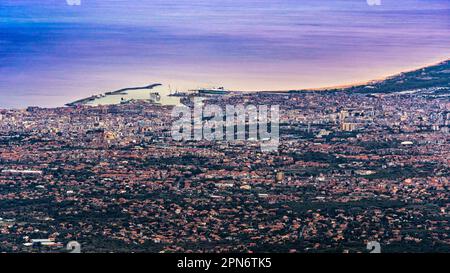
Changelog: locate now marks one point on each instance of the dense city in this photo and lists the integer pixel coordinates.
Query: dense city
(351, 168)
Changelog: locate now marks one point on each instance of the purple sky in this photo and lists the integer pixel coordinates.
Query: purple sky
(52, 53)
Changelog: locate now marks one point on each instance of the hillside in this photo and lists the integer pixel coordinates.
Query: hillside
(433, 80)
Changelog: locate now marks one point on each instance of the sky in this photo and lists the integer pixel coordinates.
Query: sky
(52, 53)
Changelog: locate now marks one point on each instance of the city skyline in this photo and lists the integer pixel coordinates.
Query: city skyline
(225, 127)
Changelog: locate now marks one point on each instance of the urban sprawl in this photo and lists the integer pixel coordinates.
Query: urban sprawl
(351, 168)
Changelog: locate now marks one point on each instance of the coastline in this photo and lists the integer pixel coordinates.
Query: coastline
(360, 83)
(318, 89)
